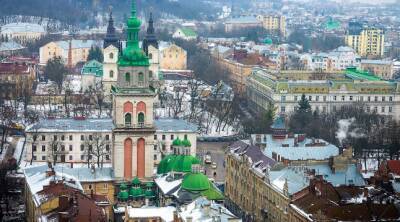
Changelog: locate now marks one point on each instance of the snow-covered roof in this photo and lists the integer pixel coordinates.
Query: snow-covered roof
(165, 213)
(22, 27)
(72, 125)
(10, 46)
(82, 174)
(174, 125)
(167, 186)
(320, 150)
(76, 44)
(204, 210)
(376, 62)
(244, 20)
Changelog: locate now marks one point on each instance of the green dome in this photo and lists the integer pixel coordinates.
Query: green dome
(123, 186)
(195, 182)
(186, 143)
(149, 193)
(177, 142)
(123, 195)
(177, 163)
(134, 22)
(268, 41)
(136, 192)
(136, 181)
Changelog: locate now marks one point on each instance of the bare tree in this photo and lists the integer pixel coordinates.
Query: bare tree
(55, 150)
(175, 100)
(7, 121)
(97, 148)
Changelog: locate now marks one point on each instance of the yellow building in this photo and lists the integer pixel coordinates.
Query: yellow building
(367, 41)
(173, 57)
(381, 68)
(79, 51)
(273, 23)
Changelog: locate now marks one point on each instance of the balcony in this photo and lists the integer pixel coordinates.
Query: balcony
(135, 126)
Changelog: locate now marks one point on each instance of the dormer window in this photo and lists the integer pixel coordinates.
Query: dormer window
(111, 55)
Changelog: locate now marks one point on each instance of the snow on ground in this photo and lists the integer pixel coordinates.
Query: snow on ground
(368, 167)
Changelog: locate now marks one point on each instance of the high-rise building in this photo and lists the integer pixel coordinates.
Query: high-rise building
(273, 23)
(133, 100)
(366, 40)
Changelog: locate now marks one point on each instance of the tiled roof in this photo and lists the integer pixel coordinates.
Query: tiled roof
(253, 152)
(7, 68)
(174, 125)
(394, 166)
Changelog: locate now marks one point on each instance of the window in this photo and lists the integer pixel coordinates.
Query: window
(334, 98)
(369, 98)
(141, 119)
(172, 137)
(317, 98)
(90, 156)
(128, 119)
(127, 77)
(163, 147)
(43, 137)
(324, 98)
(141, 77)
(33, 148)
(105, 186)
(82, 147)
(351, 98)
(185, 137)
(150, 56)
(62, 137)
(283, 98)
(375, 109)
(361, 98)
(107, 157)
(111, 74)
(309, 98)
(43, 157)
(283, 109)
(70, 157)
(390, 99)
(382, 109)
(163, 137)
(70, 147)
(390, 109)
(383, 99)
(376, 99)
(55, 137)
(34, 157)
(62, 148)
(343, 98)
(368, 109)
(155, 157)
(107, 137)
(111, 55)
(155, 147)
(90, 148)
(90, 137)
(43, 148)
(107, 147)
(70, 137)
(151, 74)
(155, 137)
(295, 98)
(82, 157)
(90, 186)
(82, 137)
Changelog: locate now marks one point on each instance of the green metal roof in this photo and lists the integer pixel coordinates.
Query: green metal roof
(123, 195)
(332, 24)
(195, 182)
(136, 192)
(177, 163)
(186, 143)
(177, 142)
(353, 73)
(136, 181)
(189, 32)
(212, 193)
(93, 67)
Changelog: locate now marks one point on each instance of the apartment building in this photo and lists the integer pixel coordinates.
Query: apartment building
(273, 23)
(325, 93)
(366, 40)
(382, 68)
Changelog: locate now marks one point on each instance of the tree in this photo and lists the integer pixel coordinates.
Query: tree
(55, 71)
(55, 150)
(302, 116)
(7, 120)
(97, 148)
(95, 53)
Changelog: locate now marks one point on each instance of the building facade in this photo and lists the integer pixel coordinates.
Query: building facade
(381, 68)
(325, 95)
(22, 32)
(173, 57)
(367, 41)
(16, 79)
(273, 23)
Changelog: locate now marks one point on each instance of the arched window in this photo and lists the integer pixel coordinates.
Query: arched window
(141, 119)
(111, 55)
(128, 119)
(150, 56)
(141, 77)
(111, 74)
(127, 77)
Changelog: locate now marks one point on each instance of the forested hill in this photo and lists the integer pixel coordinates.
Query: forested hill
(81, 11)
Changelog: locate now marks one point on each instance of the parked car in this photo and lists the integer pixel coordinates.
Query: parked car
(214, 165)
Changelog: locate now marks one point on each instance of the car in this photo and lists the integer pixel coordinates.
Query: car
(207, 159)
(214, 165)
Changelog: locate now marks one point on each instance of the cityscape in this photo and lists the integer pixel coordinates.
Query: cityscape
(192, 111)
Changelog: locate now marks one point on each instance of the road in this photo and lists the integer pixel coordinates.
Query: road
(217, 150)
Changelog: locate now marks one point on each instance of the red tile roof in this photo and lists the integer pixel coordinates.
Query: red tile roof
(394, 166)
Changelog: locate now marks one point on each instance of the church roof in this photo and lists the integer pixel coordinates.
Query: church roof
(177, 163)
(195, 182)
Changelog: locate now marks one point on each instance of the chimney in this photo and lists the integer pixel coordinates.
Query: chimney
(70, 54)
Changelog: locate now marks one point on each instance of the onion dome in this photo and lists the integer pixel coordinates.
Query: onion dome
(136, 192)
(165, 164)
(186, 143)
(195, 182)
(136, 181)
(177, 163)
(123, 194)
(123, 186)
(177, 142)
(268, 41)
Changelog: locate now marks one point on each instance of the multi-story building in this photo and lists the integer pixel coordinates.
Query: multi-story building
(22, 32)
(16, 79)
(238, 23)
(367, 41)
(273, 23)
(173, 57)
(71, 138)
(71, 52)
(325, 92)
(92, 73)
(382, 68)
(338, 59)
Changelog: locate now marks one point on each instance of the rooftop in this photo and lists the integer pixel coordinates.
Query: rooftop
(10, 46)
(174, 125)
(22, 27)
(165, 213)
(243, 20)
(77, 44)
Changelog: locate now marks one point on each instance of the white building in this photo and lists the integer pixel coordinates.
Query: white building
(75, 135)
(338, 59)
(22, 32)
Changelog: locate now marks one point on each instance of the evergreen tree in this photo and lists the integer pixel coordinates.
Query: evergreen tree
(55, 71)
(302, 117)
(95, 53)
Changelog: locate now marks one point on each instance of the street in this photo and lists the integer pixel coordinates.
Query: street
(217, 151)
